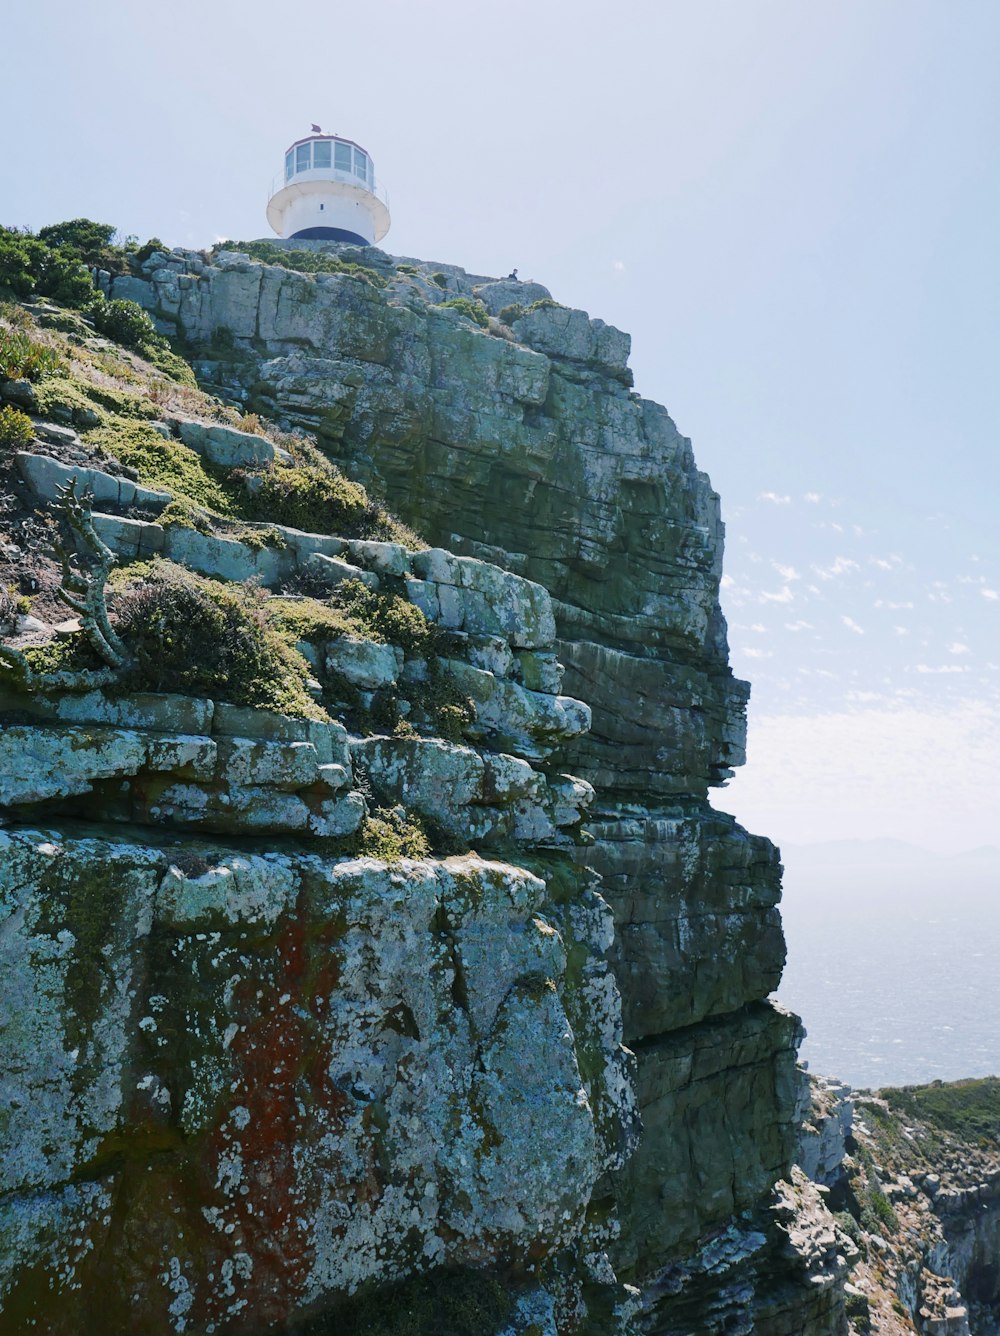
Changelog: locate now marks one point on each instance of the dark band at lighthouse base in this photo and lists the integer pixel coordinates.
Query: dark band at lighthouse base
(329, 234)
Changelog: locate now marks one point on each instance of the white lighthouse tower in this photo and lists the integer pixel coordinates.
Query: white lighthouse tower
(328, 192)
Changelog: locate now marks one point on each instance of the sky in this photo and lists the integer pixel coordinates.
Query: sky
(791, 205)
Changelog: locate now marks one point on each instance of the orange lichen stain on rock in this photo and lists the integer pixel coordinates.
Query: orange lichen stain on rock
(283, 1102)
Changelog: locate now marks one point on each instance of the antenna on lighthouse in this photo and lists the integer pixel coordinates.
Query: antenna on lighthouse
(328, 192)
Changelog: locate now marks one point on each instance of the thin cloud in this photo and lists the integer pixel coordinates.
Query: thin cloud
(852, 625)
(783, 595)
(991, 594)
(775, 498)
(839, 566)
(958, 648)
(786, 572)
(814, 498)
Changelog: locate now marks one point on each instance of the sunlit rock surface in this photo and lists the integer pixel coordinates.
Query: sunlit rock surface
(258, 1074)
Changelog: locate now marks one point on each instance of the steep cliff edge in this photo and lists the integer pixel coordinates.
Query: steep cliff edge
(300, 1069)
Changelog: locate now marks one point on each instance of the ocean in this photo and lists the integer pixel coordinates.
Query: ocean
(893, 960)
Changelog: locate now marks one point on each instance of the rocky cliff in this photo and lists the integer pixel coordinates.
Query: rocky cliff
(266, 1059)
(913, 1175)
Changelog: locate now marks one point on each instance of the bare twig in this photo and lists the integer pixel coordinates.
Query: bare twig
(84, 590)
(86, 564)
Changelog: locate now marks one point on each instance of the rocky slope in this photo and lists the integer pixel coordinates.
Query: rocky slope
(914, 1176)
(261, 1068)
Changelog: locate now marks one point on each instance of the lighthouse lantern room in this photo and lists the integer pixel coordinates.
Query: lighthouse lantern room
(328, 192)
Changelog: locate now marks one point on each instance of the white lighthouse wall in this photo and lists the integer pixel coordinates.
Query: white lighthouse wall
(321, 209)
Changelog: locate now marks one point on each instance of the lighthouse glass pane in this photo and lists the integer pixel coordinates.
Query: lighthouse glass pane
(361, 164)
(321, 153)
(302, 157)
(289, 165)
(342, 157)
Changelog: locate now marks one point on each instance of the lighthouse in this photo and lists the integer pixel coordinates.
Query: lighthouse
(328, 192)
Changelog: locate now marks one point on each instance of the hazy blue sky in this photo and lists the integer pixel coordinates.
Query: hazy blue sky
(792, 205)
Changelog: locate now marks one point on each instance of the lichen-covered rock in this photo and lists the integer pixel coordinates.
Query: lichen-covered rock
(225, 446)
(338, 1073)
(46, 476)
(536, 455)
(292, 1076)
(363, 663)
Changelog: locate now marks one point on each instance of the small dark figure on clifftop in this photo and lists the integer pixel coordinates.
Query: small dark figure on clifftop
(513, 275)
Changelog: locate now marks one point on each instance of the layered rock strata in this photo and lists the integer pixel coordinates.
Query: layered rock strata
(249, 1071)
(514, 436)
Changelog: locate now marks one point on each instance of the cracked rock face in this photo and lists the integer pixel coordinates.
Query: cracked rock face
(237, 1090)
(266, 1075)
(526, 446)
(244, 1082)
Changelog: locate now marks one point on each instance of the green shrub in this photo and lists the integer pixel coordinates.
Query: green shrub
(508, 314)
(319, 500)
(149, 248)
(72, 654)
(21, 257)
(309, 619)
(545, 304)
(166, 360)
(87, 238)
(125, 322)
(205, 638)
(29, 266)
(390, 833)
(473, 310)
(25, 358)
(968, 1109)
(66, 280)
(406, 269)
(304, 261)
(90, 242)
(183, 513)
(385, 617)
(439, 701)
(440, 279)
(16, 431)
(882, 1209)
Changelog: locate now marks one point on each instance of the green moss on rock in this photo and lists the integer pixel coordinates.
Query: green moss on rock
(166, 464)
